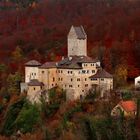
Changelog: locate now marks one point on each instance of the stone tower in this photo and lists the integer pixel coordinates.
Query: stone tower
(77, 41)
(31, 70)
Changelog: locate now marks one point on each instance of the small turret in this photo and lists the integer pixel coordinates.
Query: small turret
(31, 70)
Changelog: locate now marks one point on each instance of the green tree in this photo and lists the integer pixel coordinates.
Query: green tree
(13, 81)
(28, 117)
(11, 114)
(3, 67)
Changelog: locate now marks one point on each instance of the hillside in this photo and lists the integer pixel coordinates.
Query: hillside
(40, 30)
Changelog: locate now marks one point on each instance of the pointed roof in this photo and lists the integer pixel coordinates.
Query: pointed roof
(79, 31)
(33, 63)
(128, 106)
(35, 82)
(101, 73)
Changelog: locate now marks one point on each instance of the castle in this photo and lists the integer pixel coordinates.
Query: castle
(76, 74)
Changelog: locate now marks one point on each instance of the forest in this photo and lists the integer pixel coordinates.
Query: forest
(37, 29)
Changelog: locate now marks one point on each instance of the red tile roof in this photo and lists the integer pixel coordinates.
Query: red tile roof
(128, 106)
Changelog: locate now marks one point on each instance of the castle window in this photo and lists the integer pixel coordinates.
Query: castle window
(71, 72)
(78, 79)
(61, 79)
(52, 84)
(71, 79)
(34, 88)
(68, 71)
(86, 85)
(34, 73)
(82, 90)
(78, 85)
(94, 79)
(53, 79)
(70, 85)
(42, 71)
(83, 71)
(61, 71)
(87, 71)
(102, 79)
(93, 71)
(85, 79)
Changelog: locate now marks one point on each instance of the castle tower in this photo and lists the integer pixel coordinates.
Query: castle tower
(31, 70)
(77, 41)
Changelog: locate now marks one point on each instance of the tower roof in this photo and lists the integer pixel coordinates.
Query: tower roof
(79, 30)
(33, 63)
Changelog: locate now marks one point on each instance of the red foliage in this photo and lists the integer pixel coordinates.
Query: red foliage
(45, 27)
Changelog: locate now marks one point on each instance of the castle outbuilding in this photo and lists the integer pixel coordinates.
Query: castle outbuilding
(76, 74)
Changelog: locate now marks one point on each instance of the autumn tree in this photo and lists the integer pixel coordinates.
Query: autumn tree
(17, 54)
(120, 75)
(107, 60)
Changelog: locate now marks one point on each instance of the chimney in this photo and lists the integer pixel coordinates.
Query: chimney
(56, 63)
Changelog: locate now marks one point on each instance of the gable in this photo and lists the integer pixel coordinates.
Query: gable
(77, 32)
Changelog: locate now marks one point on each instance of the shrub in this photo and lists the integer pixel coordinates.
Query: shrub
(127, 95)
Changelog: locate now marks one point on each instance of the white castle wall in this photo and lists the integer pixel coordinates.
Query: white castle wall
(31, 73)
